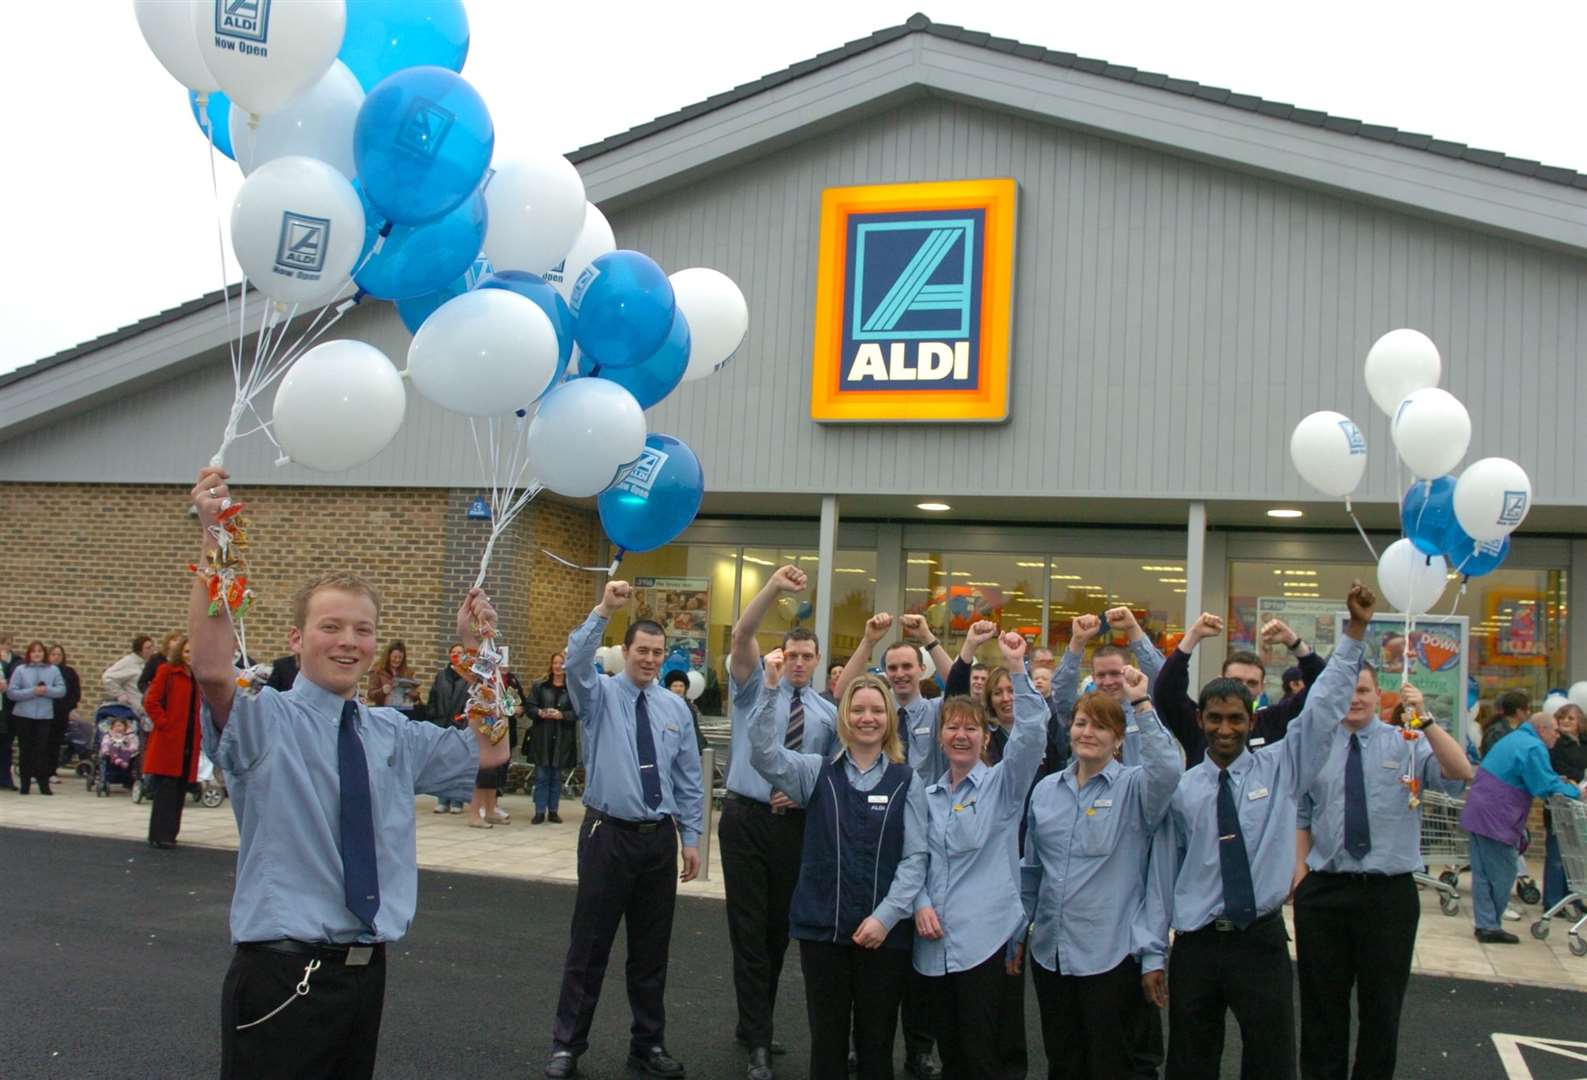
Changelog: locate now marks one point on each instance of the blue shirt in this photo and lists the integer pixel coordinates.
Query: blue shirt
(972, 835)
(1396, 829)
(820, 738)
(278, 751)
(918, 729)
(1083, 881)
(795, 775)
(1267, 783)
(1066, 691)
(24, 680)
(611, 753)
(1521, 760)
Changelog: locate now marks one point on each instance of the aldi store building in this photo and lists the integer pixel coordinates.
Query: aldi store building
(1028, 334)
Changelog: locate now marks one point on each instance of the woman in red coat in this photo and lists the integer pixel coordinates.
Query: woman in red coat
(170, 760)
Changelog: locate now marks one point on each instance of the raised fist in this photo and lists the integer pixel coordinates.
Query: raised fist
(1134, 682)
(789, 579)
(616, 597)
(1205, 626)
(915, 628)
(981, 631)
(1361, 601)
(1411, 698)
(1013, 646)
(1122, 619)
(773, 662)
(1279, 631)
(877, 625)
(1084, 628)
(210, 495)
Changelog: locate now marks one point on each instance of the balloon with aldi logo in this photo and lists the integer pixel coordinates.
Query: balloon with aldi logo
(387, 36)
(1492, 497)
(622, 306)
(1329, 452)
(214, 120)
(1427, 512)
(418, 259)
(422, 142)
(595, 239)
(297, 228)
(658, 375)
(718, 318)
(265, 54)
(534, 287)
(655, 499)
(583, 434)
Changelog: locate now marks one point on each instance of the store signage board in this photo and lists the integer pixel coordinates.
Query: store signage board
(914, 303)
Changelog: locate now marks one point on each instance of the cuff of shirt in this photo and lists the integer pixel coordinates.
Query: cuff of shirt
(889, 915)
(691, 838)
(1151, 961)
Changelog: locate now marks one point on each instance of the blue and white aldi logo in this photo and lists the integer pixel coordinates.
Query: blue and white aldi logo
(1514, 508)
(244, 20)
(1353, 437)
(641, 475)
(300, 252)
(424, 129)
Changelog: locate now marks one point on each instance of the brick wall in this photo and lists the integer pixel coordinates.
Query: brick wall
(90, 565)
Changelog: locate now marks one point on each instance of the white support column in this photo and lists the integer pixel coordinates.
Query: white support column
(1576, 592)
(889, 577)
(1195, 557)
(827, 556)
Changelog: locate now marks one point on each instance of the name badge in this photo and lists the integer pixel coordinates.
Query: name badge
(1259, 793)
(1258, 741)
(1389, 764)
(874, 799)
(673, 728)
(1129, 729)
(923, 730)
(1103, 804)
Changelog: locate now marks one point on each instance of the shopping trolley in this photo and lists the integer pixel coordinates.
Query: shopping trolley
(1570, 829)
(1446, 843)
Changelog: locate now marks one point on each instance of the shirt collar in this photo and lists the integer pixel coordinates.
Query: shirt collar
(975, 777)
(880, 762)
(318, 699)
(1108, 774)
(629, 688)
(1367, 731)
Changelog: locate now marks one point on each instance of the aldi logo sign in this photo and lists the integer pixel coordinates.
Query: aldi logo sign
(245, 20)
(913, 304)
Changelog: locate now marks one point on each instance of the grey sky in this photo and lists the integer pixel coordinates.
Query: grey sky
(108, 186)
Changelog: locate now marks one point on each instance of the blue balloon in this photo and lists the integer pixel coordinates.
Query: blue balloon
(655, 498)
(422, 143)
(623, 307)
(1426, 513)
(384, 37)
(547, 299)
(1472, 558)
(658, 376)
(416, 260)
(219, 109)
(415, 310)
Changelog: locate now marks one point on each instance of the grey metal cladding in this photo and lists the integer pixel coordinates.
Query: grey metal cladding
(1173, 319)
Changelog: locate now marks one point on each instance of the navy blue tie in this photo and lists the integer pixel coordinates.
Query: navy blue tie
(1358, 830)
(1239, 895)
(360, 877)
(645, 739)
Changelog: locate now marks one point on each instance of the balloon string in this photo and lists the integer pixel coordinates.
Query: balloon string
(1351, 511)
(612, 569)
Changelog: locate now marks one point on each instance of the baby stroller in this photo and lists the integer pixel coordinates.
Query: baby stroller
(120, 766)
(80, 746)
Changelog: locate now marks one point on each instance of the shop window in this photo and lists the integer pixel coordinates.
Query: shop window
(688, 589)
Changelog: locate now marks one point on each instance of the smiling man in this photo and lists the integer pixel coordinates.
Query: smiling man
(322, 788)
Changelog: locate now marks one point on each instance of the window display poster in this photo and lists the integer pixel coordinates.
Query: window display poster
(682, 607)
(1435, 654)
(1313, 620)
(1517, 637)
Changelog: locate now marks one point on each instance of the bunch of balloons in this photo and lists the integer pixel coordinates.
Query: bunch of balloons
(372, 172)
(1449, 524)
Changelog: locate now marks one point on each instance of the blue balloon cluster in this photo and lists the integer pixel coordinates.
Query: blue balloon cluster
(1427, 518)
(655, 499)
(623, 305)
(422, 143)
(655, 377)
(415, 260)
(414, 311)
(384, 37)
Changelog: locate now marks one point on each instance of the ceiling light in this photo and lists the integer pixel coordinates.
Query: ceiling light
(1036, 565)
(1166, 569)
(935, 508)
(983, 584)
(917, 590)
(847, 570)
(1172, 580)
(922, 562)
(1066, 577)
(759, 562)
(1179, 590)
(959, 573)
(1284, 512)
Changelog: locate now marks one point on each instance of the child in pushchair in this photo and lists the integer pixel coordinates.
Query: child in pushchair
(119, 748)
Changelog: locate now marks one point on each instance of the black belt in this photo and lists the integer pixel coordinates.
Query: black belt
(351, 955)
(768, 808)
(631, 826)
(1226, 926)
(1360, 877)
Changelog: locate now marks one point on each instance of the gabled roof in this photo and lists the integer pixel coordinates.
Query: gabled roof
(922, 24)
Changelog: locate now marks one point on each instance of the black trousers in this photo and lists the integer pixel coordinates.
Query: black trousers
(1144, 1030)
(6, 738)
(1013, 1059)
(330, 1032)
(761, 853)
(1082, 1020)
(624, 876)
(169, 794)
(33, 740)
(850, 988)
(1353, 931)
(964, 1009)
(1247, 972)
(915, 1016)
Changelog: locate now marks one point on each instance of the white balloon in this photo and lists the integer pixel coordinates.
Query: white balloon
(696, 685)
(584, 433)
(484, 353)
(265, 54)
(594, 240)
(1399, 362)
(1578, 695)
(1492, 497)
(297, 228)
(536, 205)
(1553, 704)
(318, 123)
(339, 405)
(168, 30)
(1411, 581)
(613, 663)
(928, 666)
(1329, 452)
(718, 318)
(1431, 430)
